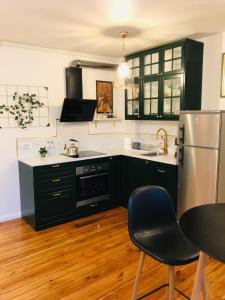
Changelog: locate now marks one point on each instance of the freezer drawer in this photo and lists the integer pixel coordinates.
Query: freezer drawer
(200, 129)
(197, 182)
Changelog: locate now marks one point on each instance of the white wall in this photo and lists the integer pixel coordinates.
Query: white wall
(211, 72)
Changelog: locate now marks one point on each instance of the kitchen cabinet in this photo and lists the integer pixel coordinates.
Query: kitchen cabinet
(49, 193)
(167, 79)
(137, 172)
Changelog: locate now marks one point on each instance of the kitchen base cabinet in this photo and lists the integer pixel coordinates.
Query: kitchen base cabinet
(50, 194)
(47, 194)
(137, 172)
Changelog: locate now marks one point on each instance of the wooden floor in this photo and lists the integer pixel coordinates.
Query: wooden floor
(90, 258)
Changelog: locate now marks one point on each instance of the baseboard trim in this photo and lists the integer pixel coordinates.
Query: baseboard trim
(10, 217)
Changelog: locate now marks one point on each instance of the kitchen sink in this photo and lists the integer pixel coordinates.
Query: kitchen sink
(151, 154)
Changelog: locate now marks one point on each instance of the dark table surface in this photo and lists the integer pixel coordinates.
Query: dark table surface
(204, 226)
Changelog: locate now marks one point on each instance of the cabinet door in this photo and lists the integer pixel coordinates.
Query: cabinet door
(165, 175)
(172, 95)
(151, 63)
(134, 65)
(151, 88)
(134, 174)
(133, 94)
(172, 58)
(115, 180)
(56, 205)
(133, 101)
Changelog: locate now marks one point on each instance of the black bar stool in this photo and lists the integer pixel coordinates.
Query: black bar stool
(153, 228)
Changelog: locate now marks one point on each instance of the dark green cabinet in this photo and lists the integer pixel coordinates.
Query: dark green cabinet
(137, 172)
(49, 193)
(167, 79)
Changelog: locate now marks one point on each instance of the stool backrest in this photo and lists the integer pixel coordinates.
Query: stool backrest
(150, 208)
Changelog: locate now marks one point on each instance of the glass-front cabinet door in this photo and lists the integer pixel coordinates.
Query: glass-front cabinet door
(133, 101)
(134, 65)
(172, 95)
(151, 63)
(151, 87)
(132, 94)
(172, 59)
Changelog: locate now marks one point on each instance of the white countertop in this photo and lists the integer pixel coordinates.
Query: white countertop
(55, 159)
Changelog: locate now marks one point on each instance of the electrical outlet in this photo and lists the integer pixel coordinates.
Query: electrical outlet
(26, 146)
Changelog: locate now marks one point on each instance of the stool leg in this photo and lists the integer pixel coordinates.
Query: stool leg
(200, 281)
(204, 284)
(171, 281)
(138, 276)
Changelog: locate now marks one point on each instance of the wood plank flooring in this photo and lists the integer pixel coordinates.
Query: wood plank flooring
(87, 259)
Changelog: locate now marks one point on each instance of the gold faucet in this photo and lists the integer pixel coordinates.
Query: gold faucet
(165, 140)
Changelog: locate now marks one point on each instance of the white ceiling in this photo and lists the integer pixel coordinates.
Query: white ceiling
(93, 26)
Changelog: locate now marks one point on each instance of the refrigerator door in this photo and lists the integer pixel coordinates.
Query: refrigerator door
(197, 181)
(200, 129)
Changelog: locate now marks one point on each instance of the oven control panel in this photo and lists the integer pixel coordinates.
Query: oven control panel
(90, 169)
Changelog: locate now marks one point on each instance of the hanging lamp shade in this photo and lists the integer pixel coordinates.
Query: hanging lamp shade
(125, 75)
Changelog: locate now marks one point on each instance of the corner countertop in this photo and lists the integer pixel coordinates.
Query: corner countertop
(55, 159)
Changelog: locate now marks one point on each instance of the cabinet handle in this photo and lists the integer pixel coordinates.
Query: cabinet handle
(56, 194)
(55, 166)
(94, 205)
(161, 171)
(56, 180)
(147, 162)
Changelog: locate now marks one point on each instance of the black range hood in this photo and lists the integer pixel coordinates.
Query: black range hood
(75, 108)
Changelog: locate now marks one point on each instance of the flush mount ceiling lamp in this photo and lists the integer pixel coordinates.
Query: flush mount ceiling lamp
(125, 75)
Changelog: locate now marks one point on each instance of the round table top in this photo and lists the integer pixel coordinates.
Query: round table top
(204, 226)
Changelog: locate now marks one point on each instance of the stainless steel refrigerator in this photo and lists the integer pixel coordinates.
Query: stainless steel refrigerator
(201, 171)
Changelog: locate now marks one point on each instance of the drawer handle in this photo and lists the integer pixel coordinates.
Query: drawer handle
(161, 171)
(56, 194)
(56, 180)
(55, 166)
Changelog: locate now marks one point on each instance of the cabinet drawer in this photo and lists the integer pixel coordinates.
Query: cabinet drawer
(55, 181)
(56, 204)
(54, 169)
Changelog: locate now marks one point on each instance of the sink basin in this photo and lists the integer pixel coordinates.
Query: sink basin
(151, 154)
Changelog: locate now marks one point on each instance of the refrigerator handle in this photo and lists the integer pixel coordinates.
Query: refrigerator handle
(181, 156)
(181, 135)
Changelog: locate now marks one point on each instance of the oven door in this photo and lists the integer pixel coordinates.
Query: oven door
(92, 188)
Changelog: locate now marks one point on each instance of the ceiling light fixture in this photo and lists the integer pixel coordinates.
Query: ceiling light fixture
(123, 67)
(124, 71)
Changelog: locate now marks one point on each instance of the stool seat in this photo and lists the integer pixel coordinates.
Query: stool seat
(167, 245)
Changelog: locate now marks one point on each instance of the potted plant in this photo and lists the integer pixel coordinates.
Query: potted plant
(43, 151)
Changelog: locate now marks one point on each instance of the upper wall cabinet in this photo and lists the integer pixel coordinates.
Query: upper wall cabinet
(167, 79)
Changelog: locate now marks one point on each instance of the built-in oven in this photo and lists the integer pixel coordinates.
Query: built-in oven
(92, 184)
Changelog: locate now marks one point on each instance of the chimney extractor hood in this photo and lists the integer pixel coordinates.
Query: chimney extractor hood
(75, 108)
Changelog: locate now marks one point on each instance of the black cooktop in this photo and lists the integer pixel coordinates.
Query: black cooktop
(84, 154)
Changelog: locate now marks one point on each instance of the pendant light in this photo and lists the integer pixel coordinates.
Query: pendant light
(125, 75)
(123, 68)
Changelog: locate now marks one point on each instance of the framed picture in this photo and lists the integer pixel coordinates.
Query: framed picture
(222, 89)
(104, 95)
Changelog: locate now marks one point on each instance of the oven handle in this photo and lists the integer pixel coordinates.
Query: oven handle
(95, 175)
